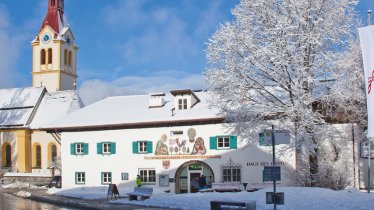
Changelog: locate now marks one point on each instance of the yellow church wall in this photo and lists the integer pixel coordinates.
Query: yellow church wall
(23, 151)
(8, 137)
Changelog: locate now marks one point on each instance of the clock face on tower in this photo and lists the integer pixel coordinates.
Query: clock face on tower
(46, 37)
(68, 40)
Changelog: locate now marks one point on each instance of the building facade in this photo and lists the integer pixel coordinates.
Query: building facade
(167, 139)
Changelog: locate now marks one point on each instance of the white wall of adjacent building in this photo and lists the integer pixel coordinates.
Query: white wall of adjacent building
(250, 158)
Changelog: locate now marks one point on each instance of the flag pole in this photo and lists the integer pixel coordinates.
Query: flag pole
(369, 149)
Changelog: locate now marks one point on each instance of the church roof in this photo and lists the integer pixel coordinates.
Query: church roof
(17, 105)
(32, 107)
(134, 111)
(54, 106)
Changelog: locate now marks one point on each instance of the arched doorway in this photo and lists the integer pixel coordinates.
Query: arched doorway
(187, 174)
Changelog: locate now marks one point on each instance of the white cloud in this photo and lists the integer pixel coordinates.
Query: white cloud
(94, 90)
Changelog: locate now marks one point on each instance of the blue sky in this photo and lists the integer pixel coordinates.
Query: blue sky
(126, 46)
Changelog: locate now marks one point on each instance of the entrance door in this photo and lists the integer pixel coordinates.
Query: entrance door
(194, 181)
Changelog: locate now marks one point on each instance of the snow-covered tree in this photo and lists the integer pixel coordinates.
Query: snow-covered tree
(272, 62)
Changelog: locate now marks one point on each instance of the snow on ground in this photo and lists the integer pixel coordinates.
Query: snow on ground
(296, 198)
(23, 194)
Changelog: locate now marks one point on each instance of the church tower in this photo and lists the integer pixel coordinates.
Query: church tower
(54, 51)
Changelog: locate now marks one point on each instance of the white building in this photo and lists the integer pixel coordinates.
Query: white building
(168, 139)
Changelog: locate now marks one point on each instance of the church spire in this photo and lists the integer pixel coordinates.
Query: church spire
(55, 15)
(54, 52)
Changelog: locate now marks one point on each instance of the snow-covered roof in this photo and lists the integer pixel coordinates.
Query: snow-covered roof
(54, 106)
(18, 104)
(134, 110)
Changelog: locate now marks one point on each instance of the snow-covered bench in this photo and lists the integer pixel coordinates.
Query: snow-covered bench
(226, 186)
(142, 192)
(217, 205)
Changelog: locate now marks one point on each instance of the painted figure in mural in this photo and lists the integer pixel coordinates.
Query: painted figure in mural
(202, 182)
(161, 148)
(138, 181)
(191, 134)
(199, 147)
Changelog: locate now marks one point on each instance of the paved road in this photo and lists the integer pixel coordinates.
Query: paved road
(42, 201)
(8, 202)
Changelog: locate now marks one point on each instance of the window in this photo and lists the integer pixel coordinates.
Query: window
(231, 175)
(106, 148)
(223, 142)
(80, 178)
(8, 156)
(79, 149)
(66, 57)
(70, 57)
(50, 56)
(38, 156)
(42, 57)
(148, 175)
(142, 147)
(52, 2)
(54, 152)
(182, 103)
(173, 133)
(106, 177)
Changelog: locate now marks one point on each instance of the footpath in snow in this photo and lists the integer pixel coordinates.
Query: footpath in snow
(296, 198)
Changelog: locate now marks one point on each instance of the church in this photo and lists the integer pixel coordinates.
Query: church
(24, 147)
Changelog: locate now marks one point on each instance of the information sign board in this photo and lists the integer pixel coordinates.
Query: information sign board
(279, 198)
(271, 173)
(364, 150)
(280, 137)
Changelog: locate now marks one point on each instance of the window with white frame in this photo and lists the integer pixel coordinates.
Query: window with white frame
(182, 103)
(231, 174)
(106, 148)
(80, 178)
(142, 147)
(106, 177)
(223, 142)
(79, 149)
(148, 175)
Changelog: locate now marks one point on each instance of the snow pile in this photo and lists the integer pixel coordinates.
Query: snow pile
(23, 194)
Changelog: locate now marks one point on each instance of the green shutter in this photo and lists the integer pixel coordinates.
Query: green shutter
(112, 148)
(99, 148)
(72, 149)
(213, 142)
(149, 147)
(85, 149)
(233, 142)
(135, 147)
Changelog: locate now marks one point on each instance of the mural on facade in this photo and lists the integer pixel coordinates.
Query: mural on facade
(181, 146)
(166, 164)
(199, 147)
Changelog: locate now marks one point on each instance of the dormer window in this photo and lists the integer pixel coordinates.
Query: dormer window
(184, 99)
(182, 103)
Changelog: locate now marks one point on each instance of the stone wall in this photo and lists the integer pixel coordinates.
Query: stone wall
(34, 180)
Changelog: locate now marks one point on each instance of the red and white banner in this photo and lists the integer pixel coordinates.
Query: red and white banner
(367, 47)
